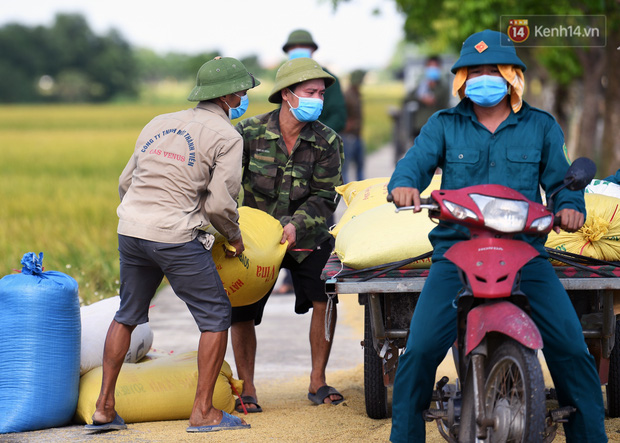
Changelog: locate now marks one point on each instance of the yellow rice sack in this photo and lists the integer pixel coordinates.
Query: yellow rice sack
(380, 235)
(372, 196)
(248, 277)
(368, 198)
(351, 189)
(599, 237)
(160, 389)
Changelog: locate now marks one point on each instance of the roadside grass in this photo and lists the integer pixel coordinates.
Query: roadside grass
(59, 168)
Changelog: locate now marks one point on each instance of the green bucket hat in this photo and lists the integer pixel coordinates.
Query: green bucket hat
(357, 77)
(488, 48)
(299, 37)
(296, 71)
(221, 76)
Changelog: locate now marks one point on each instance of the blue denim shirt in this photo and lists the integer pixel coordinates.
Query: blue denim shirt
(526, 151)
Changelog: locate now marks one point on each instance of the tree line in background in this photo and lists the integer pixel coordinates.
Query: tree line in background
(67, 62)
(582, 83)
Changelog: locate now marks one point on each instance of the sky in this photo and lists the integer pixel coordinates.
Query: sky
(349, 38)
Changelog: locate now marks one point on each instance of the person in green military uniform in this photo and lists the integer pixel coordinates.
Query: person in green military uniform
(432, 95)
(301, 44)
(292, 165)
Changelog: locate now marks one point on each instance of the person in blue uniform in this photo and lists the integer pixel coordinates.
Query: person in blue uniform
(492, 136)
(614, 178)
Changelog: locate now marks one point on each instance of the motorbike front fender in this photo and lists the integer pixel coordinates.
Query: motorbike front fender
(503, 317)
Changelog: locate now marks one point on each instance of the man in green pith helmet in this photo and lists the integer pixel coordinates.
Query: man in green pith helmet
(301, 44)
(292, 165)
(184, 174)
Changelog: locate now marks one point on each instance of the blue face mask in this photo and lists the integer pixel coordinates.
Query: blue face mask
(432, 73)
(308, 109)
(486, 90)
(299, 53)
(237, 112)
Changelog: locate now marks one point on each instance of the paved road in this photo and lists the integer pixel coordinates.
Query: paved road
(283, 346)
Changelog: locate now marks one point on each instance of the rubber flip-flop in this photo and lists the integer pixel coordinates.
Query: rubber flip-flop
(228, 422)
(115, 425)
(247, 399)
(324, 392)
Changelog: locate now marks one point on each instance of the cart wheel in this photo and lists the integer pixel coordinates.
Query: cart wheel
(613, 383)
(375, 392)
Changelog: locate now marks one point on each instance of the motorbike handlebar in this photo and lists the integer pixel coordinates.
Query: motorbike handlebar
(425, 203)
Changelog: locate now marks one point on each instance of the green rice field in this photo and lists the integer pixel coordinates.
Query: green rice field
(59, 168)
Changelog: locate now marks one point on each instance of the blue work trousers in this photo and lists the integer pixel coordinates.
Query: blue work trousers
(433, 331)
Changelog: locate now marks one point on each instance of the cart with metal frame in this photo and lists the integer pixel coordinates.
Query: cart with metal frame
(389, 296)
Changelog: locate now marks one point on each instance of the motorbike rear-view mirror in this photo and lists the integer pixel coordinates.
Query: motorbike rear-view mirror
(580, 174)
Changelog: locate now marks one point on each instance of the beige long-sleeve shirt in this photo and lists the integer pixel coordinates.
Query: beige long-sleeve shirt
(184, 174)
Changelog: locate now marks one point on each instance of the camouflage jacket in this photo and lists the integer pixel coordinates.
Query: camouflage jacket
(297, 189)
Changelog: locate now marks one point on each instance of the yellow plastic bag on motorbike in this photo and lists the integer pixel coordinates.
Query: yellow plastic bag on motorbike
(248, 277)
(159, 389)
(381, 235)
(599, 237)
(370, 197)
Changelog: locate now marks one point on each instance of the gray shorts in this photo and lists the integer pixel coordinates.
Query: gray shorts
(191, 273)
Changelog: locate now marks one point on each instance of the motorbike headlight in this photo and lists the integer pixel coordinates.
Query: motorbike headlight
(542, 223)
(502, 214)
(459, 211)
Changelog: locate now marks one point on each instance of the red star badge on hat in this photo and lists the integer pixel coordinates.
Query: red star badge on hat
(481, 47)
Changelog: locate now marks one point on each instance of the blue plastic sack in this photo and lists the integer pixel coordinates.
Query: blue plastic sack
(40, 333)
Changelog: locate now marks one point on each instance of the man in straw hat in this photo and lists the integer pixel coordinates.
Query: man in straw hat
(184, 174)
(292, 165)
(493, 136)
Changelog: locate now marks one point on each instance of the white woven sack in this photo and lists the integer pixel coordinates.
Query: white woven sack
(603, 187)
(96, 320)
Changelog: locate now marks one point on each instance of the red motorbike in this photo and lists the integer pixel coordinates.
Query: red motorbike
(499, 395)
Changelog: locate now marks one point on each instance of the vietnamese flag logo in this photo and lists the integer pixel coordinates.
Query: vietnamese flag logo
(518, 30)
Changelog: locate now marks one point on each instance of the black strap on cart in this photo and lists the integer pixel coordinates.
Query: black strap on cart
(377, 270)
(582, 262)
